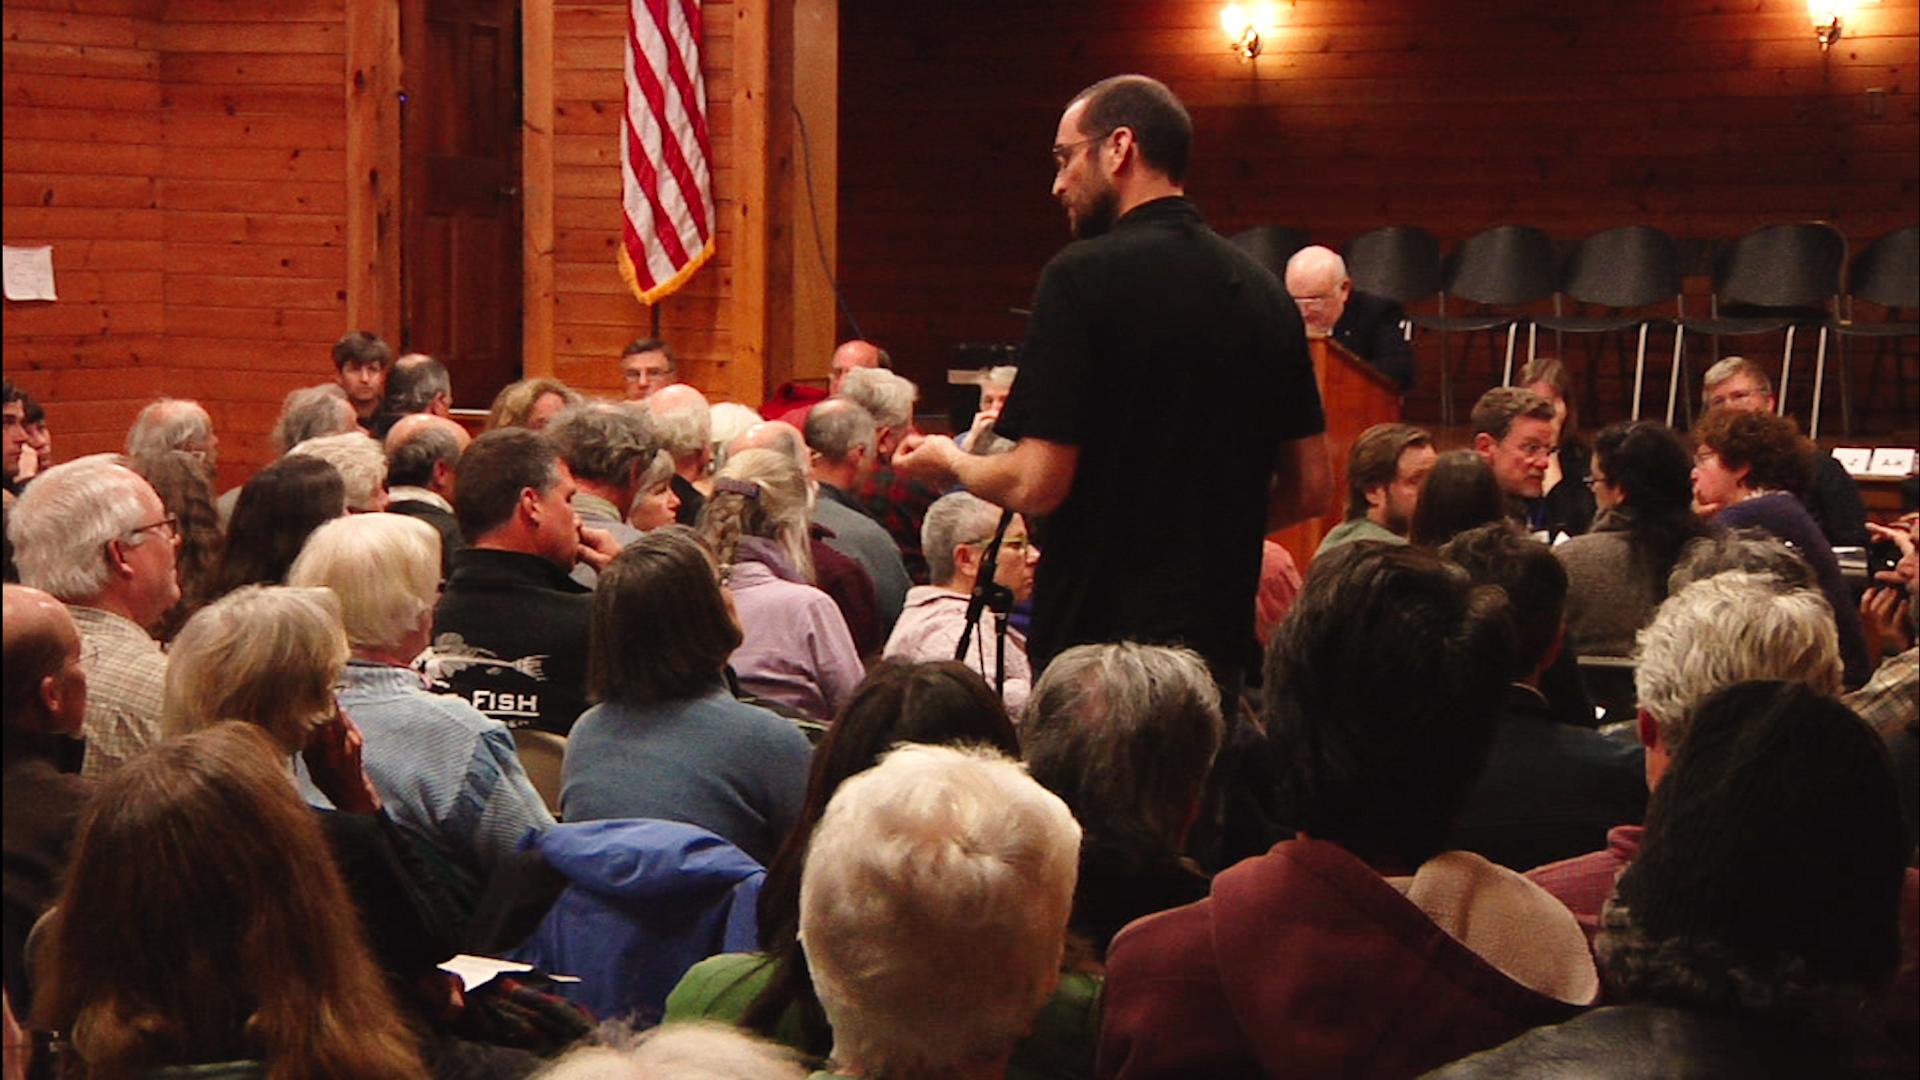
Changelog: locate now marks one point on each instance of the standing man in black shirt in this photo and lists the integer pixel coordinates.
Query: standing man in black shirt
(1166, 414)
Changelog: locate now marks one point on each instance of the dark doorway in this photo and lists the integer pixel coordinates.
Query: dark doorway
(461, 241)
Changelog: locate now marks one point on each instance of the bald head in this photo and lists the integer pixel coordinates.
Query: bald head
(423, 450)
(776, 435)
(413, 425)
(1318, 282)
(44, 689)
(856, 354)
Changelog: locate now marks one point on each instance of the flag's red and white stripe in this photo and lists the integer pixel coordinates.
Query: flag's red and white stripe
(666, 190)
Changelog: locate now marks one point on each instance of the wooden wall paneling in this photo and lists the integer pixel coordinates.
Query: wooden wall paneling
(537, 65)
(373, 181)
(743, 375)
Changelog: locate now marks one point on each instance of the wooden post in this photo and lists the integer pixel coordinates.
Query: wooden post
(536, 185)
(373, 166)
(745, 377)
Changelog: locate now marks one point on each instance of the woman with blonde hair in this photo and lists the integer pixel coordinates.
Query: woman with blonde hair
(798, 651)
(204, 922)
(531, 403)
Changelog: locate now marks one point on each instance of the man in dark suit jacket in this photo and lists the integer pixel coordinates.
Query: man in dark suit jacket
(1374, 327)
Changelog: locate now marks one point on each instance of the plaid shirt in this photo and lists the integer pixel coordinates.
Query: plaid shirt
(899, 503)
(1891, 699)
(126, 674)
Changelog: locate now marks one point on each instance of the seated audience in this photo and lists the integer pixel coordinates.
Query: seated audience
(1746, 467)
(95, 535)
(1890, 701)
(510, 633)
(897, 501)
(666, 739)
(797, 651)
(278, 509)
(1361, 948)
(1832, 497)
(441, 766)
(771, 992)
(836, 573)
(1755, 933)
(1567, 501)
(683, 420)
(1728, 628)
(198, 857)
(605, 446)
(843, 440)
(362, 464)
(14, 401)
(933, 911)
(1373, 327)
(531, 403)
(417, 385)
(996, 384)
(312, 412)
(655, 503)
(647, 365)
(1385, 472)
(957, 530)
(360, 363)
(174, 424)
(181, 481)
(44, 708)
(1514, 429)
(1550, 790)
(1126, 734)
(1459, 494)
(1617, 573)
(422, 453)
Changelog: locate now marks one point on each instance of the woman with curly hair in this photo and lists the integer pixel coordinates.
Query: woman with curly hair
(531, 403)
(1617, 573)
(1746, 468)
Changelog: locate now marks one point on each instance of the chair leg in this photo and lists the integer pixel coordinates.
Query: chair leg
(1506, 372)
(1786, 373)
(1819, 382)
(1673, 380)
(1446, 383)
(1843, 374)
(1639, 373)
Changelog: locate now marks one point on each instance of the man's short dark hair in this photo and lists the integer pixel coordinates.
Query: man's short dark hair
(414, 381)
(836, 426)
(1533, 577)
(362, 347)
(496, 468)
(652, 344)
(601, 440)
(1375, 461)
(1161, 127)
(10, 393)
(1382, 685)
(661, 629)
(410, 464)
(1499, 407)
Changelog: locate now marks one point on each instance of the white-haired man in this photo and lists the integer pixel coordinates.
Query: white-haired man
(683, 420)
(895, 499)
(361, 462)
(1373, 327)
(174, 424)
(955, 536)
(933, 908)
(842, 438)
(94, 534)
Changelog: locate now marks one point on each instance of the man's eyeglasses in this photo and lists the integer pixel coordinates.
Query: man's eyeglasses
(1063, 152)
(1015, 544)
(168, 527)
(1595, 481)
(1733, 398)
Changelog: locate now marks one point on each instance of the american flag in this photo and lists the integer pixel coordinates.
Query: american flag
(666, 189)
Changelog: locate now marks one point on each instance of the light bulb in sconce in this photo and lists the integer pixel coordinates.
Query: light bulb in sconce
(1243, 38)
(1826, 22)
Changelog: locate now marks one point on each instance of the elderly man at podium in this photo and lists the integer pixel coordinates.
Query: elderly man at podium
(1373, 327)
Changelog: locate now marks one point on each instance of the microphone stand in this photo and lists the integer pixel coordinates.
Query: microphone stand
(989, 594)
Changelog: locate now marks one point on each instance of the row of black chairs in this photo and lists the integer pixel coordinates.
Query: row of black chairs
(1790, 277)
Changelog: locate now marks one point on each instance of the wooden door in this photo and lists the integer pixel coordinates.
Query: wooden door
(461, 228)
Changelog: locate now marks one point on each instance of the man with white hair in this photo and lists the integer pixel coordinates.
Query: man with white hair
(361, 463)
(897, 501)
(683, 420)
(94, 534)
(607, 447)
(1373, 327)
(174, 424)
(1728, 628)
(957, 530)
(933, 910)
(842, 438)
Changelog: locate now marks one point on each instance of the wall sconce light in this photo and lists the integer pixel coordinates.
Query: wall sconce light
(1826, 22)
(1243, 38)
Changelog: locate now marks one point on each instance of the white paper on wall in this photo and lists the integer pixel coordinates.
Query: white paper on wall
(29, 273)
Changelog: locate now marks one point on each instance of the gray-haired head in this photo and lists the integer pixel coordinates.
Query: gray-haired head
(310, 412)
(602, 441)
(838, 426)
(66, 518)
(885, 395)
(171, 424)
(954, 519)
(414, 381)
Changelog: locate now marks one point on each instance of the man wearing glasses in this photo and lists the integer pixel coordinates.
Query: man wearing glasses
(1513, 430)
(93, 534)
(1166, 414)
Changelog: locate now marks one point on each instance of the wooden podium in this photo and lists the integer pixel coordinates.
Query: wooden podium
(1355, 398)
